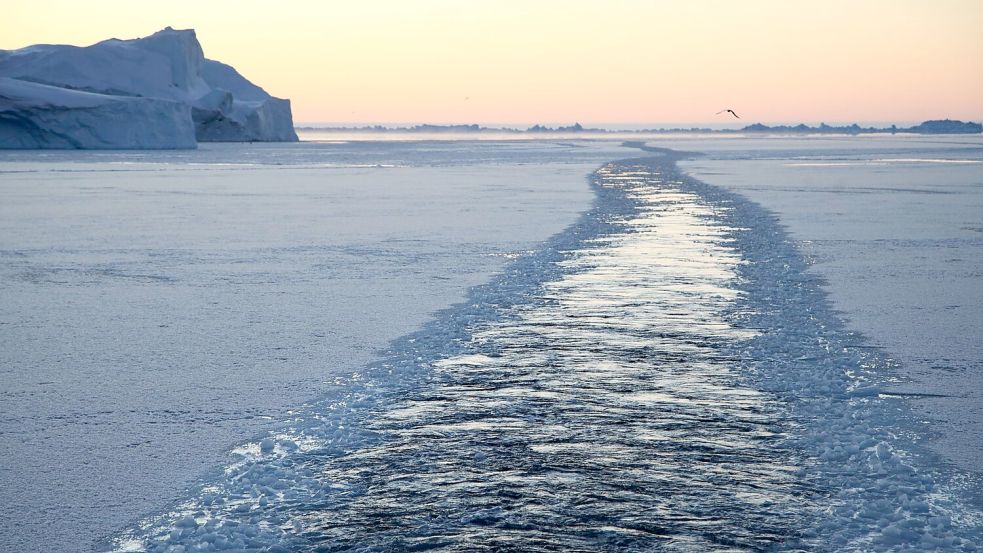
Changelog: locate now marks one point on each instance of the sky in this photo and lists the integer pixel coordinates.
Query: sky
(613, 62)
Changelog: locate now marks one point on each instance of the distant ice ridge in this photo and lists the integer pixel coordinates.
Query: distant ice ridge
(157, 92)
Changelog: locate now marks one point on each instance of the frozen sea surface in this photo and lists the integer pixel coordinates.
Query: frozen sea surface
(895, 227)
(667, 374)
(157, 308)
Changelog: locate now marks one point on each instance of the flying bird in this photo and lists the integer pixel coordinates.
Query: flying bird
(730, 111)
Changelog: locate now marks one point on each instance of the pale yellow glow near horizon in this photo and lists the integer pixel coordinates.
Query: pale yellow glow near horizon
(444, 61)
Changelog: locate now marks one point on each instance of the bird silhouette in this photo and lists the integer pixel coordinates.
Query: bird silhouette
(730, 111)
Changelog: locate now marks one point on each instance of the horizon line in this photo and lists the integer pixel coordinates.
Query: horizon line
(622, 125)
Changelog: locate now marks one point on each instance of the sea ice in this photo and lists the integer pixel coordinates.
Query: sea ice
(160, 307)
(894, 225)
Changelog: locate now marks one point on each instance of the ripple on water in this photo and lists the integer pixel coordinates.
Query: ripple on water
(603, 410)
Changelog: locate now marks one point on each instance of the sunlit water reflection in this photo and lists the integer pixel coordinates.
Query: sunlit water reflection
(598, 408)
(658, 377)
(602, 411)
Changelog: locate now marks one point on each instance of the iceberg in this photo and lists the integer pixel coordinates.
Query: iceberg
(246, 111)
(153, 92)
(40, 116)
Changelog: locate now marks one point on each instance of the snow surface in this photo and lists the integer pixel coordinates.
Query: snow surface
(160, 307)
(167, 65)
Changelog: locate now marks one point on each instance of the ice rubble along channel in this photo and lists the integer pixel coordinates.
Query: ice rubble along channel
(157, 92)
(665, 375)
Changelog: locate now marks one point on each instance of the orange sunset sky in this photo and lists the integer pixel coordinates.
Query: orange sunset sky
(610, 62)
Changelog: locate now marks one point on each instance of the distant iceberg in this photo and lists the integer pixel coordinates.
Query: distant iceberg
(157, 92)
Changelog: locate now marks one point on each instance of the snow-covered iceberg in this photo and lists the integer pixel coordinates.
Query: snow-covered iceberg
(152, 92)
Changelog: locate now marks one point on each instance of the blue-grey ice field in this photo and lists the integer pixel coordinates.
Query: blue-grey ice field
(687, 344)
